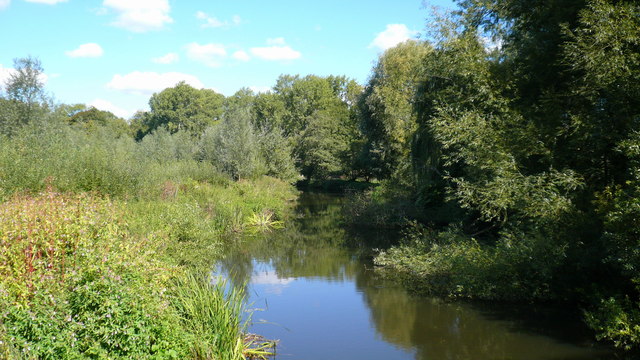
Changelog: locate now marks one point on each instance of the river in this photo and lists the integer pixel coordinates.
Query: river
(313, 288)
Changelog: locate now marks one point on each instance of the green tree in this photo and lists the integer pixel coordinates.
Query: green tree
(232, 146)
(25, 99)
(315, 107)
(183, 107)
(387, 107)
(92, 118)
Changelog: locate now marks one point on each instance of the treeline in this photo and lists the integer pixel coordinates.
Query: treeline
(512, 134)
(305, 128)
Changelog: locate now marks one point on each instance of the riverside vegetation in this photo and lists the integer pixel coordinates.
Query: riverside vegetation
(505, 143)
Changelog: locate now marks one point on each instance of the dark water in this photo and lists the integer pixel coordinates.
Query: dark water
(314, 290)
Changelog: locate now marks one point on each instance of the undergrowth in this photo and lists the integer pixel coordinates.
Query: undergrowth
(86, 276)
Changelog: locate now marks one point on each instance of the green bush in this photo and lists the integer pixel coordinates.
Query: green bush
(450, 263)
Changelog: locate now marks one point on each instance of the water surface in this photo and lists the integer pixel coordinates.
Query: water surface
(314, 290)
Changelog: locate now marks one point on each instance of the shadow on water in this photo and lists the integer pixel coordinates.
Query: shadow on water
(317, 293)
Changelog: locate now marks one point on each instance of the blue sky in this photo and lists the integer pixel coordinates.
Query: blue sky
(114, 54)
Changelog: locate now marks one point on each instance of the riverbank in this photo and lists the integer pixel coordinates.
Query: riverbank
(88, 274)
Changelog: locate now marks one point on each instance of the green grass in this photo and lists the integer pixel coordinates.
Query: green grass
(85, 276)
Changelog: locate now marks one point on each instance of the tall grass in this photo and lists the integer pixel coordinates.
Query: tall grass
(98, 236)
(212, 313)
(73, 160)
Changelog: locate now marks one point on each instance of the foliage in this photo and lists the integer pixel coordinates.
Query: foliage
(92, 119)
(277, 154)
(77, 285)
(232, 147)
(24, 100)
(183, 107)
(523, 165)
(319, 119)
(83, 276)
(388, 119)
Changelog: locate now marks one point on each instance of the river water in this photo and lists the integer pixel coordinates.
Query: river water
(313, 288)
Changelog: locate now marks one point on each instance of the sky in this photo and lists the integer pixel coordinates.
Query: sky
(114, 54)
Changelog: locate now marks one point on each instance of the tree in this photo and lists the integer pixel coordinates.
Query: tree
(320, 147)
(315, 107)
(387, 107)
(92, 118)
(25, 99)
(232, 146)
(183, 107)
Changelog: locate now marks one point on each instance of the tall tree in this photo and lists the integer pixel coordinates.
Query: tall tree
(387, 107)
(314, 108)
(183, 107)
(25, 99)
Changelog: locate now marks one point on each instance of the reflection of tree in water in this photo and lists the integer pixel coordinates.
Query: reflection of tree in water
(310, 246)
(316, 246)
(441, 330)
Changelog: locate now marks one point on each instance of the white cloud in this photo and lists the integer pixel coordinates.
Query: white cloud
(241, 55)
(4, 75)
(392, 36)
(169, 58)
(276, 41)
(275, 53)
(86, 50)
(213, 22)
(105, 105)
(4, 3)
(48, 2)
(146, 83)
(208, 54)
(140, 15)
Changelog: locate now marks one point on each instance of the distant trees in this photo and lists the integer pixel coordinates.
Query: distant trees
(92, 118)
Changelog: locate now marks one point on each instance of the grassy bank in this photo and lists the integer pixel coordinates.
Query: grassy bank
(106, 249)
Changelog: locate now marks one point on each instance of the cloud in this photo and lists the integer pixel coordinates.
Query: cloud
(276, 41)
(208, 54)
(141, 15)
(277, 51)
(105, 105)
(4, 75)
(392, 36)
(86, 50)
(4, 3)
(213, 22)
(48, 2)
(169, 58)
(241, 55)
(274, 53)
(146, 83)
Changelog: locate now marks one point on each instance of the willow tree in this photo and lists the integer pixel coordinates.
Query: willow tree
(388, 119)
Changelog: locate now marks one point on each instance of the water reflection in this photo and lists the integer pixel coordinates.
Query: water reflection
(320, 297)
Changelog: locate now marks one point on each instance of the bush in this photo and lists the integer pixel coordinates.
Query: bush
(452, 264)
